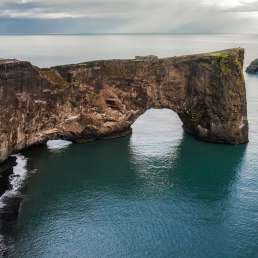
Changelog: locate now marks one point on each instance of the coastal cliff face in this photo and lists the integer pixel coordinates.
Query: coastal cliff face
(102, 99)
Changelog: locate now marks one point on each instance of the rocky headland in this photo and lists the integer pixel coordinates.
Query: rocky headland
(102, 99)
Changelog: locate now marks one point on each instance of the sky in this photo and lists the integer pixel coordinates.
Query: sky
(128, 16)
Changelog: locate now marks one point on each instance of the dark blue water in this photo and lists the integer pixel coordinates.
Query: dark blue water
(157, 193)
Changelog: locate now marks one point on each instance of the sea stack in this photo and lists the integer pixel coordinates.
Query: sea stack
(253, 67)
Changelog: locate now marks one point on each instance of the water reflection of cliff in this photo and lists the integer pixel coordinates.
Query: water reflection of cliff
(187, 167)
(102, 181)
(192, 168)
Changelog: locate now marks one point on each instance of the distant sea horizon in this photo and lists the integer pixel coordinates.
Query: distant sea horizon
(122, 33)
(46, 52)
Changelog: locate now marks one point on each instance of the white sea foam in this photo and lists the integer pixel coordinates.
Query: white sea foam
(16, 179)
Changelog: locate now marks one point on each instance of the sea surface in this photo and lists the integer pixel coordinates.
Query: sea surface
(155, 194)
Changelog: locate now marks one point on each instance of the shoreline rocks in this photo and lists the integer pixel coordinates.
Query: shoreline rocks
(6, 169)
(8, 210)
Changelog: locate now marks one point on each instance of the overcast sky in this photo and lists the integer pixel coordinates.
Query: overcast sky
(128, 16)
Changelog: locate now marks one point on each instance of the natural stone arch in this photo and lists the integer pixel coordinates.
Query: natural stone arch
(103, 98)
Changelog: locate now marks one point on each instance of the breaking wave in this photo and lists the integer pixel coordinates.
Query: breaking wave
(16, 180)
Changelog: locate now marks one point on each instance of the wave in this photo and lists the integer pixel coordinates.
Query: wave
(10, 199)
(16, 180)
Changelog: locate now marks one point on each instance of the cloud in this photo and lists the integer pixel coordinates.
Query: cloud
(124, 16)
(63, 9)
(189, 16)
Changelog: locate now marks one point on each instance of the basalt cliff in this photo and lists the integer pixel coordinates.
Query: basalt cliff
(102, 99)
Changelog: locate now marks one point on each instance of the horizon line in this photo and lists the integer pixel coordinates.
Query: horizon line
(107, 33)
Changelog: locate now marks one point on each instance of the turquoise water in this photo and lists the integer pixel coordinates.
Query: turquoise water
(157, 193)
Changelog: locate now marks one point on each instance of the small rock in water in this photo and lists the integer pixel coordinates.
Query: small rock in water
(253, 67)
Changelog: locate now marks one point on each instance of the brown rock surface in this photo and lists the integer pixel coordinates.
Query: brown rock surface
(103, 98)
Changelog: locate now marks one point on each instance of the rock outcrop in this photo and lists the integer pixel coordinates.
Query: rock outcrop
(102, 99)
(253, 67)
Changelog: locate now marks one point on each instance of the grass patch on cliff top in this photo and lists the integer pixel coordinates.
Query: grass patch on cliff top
(53, 76)
(222, 55)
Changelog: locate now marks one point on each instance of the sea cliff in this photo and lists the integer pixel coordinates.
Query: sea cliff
(100, 99)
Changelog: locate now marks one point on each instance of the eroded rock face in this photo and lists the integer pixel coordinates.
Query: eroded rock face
(103, 98)
(253, 67)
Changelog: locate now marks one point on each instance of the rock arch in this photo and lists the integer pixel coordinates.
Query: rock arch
(103, 98)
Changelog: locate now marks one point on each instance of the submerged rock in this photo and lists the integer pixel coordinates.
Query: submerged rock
(102, 99)
(253, 67)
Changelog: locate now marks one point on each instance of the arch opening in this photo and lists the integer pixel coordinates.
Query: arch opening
(155, 132)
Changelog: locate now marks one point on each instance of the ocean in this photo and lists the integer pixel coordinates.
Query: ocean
(157, 193)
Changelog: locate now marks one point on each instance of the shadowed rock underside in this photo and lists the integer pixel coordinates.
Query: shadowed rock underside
(102, 99)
